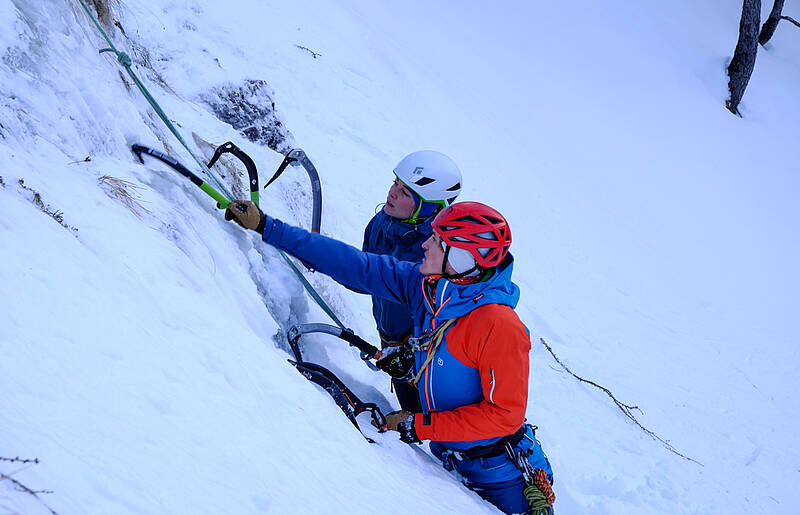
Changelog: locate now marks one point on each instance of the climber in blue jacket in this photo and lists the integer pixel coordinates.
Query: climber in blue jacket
(425, 182)
(469, 355)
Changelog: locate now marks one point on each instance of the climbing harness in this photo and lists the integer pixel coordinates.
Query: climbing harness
(488, 451)
(538, 490)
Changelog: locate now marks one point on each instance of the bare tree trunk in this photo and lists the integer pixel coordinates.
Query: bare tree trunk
(772, 22)
(744, 57)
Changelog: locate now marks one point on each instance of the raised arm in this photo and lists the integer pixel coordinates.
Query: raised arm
(379, 275)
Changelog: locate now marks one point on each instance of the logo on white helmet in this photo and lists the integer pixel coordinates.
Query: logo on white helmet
(416, 174)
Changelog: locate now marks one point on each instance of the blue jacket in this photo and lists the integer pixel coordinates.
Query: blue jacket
(474, 390)
(403, 241)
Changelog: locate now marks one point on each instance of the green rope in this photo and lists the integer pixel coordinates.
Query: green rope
(536, 500)
(125, 60)
(311, 291)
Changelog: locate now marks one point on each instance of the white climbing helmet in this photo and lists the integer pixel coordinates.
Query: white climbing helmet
(431, 175)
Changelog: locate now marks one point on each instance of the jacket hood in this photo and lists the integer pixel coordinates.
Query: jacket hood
(396, 229)
(454, 300)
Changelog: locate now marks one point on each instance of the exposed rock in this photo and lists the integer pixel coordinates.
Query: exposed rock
(249, 107)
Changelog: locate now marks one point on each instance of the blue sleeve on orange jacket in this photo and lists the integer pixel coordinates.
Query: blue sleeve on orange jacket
(383, 276)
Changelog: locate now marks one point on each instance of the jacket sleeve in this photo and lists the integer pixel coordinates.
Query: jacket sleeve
(367, 231)
(365, 247)
(497, 344)
(383, 276)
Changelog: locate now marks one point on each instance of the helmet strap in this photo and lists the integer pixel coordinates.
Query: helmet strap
(444, 261)
(458, 275)
(414, 218)
(425, 209)
(463, 275)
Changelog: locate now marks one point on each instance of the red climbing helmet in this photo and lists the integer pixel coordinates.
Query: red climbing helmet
(477, 228)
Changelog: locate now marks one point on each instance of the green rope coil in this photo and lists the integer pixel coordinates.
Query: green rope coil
(536, 500)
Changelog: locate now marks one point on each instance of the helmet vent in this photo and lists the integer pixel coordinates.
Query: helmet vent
(476, 228)
(470, 219)
(424, 181)
(455, 187)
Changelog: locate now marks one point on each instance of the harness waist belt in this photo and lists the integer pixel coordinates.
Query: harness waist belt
(494, 449)
(389, 342)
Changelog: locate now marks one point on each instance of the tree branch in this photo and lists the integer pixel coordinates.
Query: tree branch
(23, 488)
(19, 460)
(624, 408)
(790, 19)
(313, 54)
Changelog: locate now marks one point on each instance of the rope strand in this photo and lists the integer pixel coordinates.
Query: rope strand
(125, 61)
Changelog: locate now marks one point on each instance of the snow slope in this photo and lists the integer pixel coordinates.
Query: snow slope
(142, 355)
